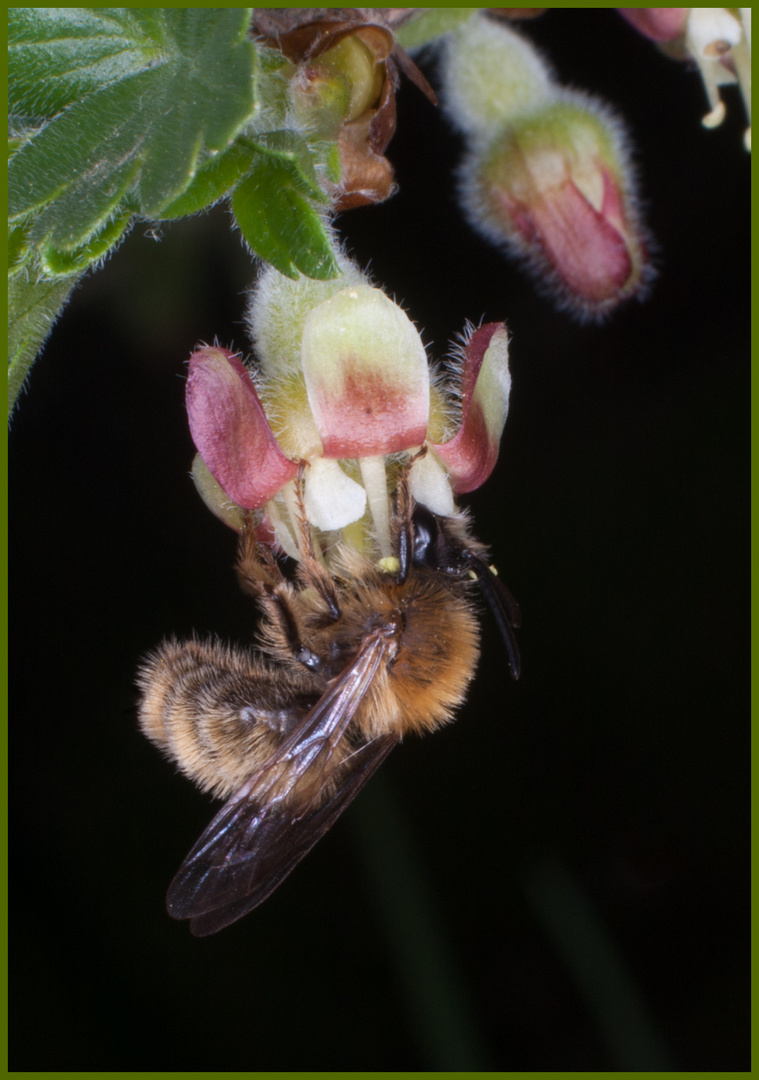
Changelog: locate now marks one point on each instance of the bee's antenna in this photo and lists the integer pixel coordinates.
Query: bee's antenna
(503, 605)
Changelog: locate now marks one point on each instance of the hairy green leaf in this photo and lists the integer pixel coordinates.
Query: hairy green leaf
(280, 224)
(19, 249)
(33, 307)
(290, 151)
(212, 181)
(56, 56)
(56, 263)
(183, 87)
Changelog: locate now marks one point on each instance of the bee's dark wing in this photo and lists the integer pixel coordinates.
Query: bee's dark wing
(504, 607)
(248, 850)
(259, 836)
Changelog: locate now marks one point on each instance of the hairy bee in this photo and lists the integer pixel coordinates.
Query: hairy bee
(350, 661)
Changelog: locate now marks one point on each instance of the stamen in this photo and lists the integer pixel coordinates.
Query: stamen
(375, 482)
(714, 118)
(711, 34)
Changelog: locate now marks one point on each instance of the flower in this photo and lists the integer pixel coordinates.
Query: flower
(546, 174)
(342, 400)
(556, 189)
(717, 39)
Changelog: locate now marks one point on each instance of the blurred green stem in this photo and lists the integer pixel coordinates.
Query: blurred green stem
(441, 1016)
(599, 970)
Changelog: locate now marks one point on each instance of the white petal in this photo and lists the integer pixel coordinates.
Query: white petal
(430, 485)
(712, 31)
(332, 499)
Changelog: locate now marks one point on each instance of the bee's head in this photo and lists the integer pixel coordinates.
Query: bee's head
(433, 548)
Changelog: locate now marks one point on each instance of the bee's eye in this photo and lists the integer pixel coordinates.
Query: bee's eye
(425, 536)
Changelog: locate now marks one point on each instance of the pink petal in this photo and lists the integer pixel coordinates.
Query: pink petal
(658, 24)
(366, 375)
(231, 431)
(471, 454)
(585, 247)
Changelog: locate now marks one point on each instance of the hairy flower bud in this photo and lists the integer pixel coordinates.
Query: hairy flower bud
(556, 189)
(546, 175)
(491, 75)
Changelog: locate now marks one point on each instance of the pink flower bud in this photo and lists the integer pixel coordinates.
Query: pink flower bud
(555, 188)
(657, 24)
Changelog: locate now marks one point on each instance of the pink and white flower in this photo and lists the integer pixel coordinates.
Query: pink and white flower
(343, 392)
(717, 40)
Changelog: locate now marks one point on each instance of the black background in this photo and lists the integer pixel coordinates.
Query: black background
(609, 787)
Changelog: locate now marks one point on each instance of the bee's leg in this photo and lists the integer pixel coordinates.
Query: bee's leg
(257, 569)
(279, 604)
(311, 569)
(260, 575)
(402, 524)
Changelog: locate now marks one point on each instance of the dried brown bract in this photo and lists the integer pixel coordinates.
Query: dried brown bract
(346, 72)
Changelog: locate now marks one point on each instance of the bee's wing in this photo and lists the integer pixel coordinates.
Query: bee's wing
(258, 837)
(248, 850)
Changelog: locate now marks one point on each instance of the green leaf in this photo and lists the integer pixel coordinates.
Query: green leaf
(33, 307)
(56, 56)
(56, 263)
(280, 224)
(431, 24)
(19, 249)
(183, 87)
(212, 181)
(286, 149)
(290, 150)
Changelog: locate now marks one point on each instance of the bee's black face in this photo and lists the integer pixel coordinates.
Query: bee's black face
(433, 548)
(425, 530)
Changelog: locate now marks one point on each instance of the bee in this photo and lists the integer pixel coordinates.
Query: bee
(351, 659)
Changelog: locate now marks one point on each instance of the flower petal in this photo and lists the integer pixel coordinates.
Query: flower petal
(230, 430)
(431, 485)
(366, 375)
(332, 499)
(471, 454)
(214, 495)
(582, 246)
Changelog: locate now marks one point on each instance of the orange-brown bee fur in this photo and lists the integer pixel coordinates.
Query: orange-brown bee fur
(349, 661)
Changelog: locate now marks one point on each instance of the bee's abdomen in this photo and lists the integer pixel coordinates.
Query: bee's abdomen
(218, 712)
